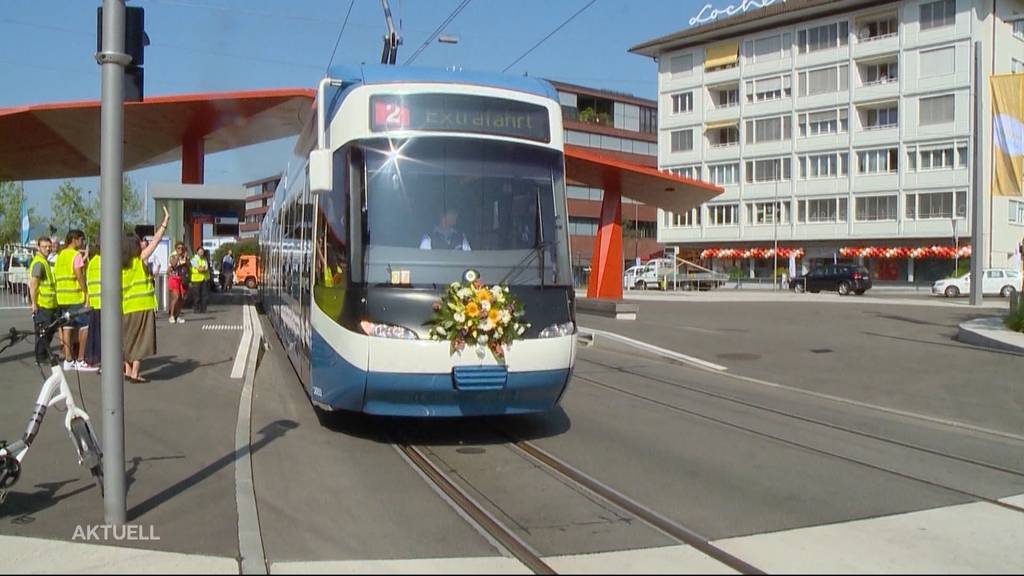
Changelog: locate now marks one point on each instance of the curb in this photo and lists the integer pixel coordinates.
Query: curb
(990, 333)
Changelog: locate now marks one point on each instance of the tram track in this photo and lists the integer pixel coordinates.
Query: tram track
(515, 546)
(806, 446)
(808, 419)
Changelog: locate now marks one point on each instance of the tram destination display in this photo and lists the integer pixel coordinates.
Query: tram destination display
(460, 113)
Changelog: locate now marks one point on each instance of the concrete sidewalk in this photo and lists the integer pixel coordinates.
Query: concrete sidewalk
(180, 458)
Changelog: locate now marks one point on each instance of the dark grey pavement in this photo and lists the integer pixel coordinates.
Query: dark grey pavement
(901, 357)
(179, 442)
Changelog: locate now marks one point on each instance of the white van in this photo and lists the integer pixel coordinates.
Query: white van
(649, 274)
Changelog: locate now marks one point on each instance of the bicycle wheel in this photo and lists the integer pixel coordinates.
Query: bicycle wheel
(88, 450)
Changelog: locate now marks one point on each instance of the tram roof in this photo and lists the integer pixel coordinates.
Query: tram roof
(382, 74)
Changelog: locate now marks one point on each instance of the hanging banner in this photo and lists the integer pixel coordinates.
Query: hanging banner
(1008, 134)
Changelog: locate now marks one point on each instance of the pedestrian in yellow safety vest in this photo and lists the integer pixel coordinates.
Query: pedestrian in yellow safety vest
(199, 279)
(69, 272)
(138, 301)
(42, 292)
(92, 282)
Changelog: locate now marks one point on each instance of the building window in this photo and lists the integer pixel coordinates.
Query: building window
(937, 62)
(774, 129)
(584, 193)
(648, 120)
(724, 174)
(824, 122)
(724, 136)
(824, 80)
(1016, 212)
(881, 118)
(829, 165)
(691, 172)
(936, 110)
(725, 96)
(771, 170)
(823, 37)
(877, 28)
(680, 66)
(682, 103)
(875, 208)
(821, 211)
(938, 14)
(1018, 29)
(770, 88)
(682, 141)
(880, 73)
(880, 161)
(627, 116)
(935, 205)
(769, 48)
(688, 219)
(583, 226)
(723, 214)
(759, 213)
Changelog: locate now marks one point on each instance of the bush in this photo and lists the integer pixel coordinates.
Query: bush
(1015, 320)
(250, 246)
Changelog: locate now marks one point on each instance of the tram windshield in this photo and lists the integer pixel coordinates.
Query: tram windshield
(438, 206)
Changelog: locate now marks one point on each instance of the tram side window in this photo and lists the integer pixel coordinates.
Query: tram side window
(331, 258)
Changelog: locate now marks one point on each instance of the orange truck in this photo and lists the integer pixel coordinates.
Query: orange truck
(247, 270)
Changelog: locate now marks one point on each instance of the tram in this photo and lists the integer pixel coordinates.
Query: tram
(404, 181)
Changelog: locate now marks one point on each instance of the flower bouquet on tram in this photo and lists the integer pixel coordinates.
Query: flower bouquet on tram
(472, 313)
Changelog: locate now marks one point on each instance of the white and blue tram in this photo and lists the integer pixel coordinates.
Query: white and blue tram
(403, 181)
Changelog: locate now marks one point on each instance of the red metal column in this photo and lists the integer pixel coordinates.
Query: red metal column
(606, 263)
(192, 156)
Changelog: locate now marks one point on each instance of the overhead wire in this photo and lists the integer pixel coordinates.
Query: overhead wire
(340, 33)
(437, 31)
(544, 39)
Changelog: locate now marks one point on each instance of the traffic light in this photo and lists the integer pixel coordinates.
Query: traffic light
(135, 42)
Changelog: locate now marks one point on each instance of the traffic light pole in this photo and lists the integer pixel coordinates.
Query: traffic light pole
(113, 61)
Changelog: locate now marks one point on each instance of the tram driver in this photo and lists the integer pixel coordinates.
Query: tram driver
(445, 236)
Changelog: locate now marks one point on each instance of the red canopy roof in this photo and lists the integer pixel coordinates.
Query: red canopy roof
(63, 140)
(641, 183)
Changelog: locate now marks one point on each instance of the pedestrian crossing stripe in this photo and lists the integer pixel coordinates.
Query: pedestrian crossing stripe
(222, 327)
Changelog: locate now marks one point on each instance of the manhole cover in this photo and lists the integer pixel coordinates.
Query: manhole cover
(821, 350)
(470, 450)
(739, 356)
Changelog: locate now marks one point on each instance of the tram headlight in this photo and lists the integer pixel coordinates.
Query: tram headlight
(557, 330)
(387, 331)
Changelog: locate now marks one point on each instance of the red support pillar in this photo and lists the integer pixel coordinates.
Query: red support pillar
(192, 157)
(606, 263)
(192, 172)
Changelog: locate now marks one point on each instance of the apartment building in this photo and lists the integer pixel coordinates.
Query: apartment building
(624, 127)
(259, 195)
(841, 130)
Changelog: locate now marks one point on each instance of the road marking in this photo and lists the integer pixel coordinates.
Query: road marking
(222, 327)
(250, 540)
(238, 368)
(484, 565)
(967, 538)
(655, 349)
(38, 556)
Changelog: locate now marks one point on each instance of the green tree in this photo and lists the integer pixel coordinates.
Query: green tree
(11, 197)
(71, 210)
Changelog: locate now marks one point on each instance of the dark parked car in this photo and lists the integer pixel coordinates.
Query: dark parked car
(842, 278)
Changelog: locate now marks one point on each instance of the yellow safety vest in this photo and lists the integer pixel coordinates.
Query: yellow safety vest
(200, 271)
(69, 292)
(46, 297)
(137, 292)
(92, 280)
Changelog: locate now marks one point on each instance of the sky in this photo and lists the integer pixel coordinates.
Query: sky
(47, 52)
